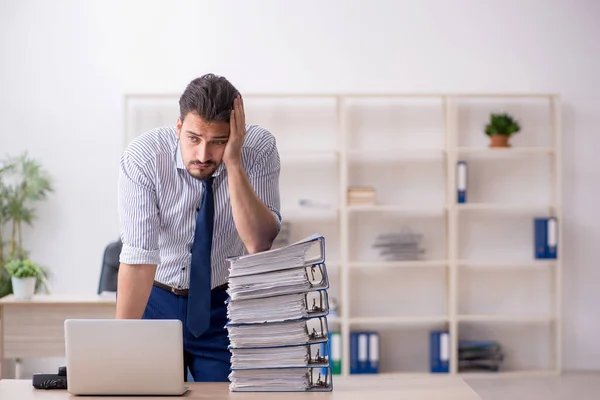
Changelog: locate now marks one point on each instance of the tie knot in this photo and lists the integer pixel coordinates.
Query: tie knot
(208, 182)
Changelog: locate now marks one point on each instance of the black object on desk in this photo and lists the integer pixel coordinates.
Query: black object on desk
(51, 381)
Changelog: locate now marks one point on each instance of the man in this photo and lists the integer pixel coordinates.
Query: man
(189, 197)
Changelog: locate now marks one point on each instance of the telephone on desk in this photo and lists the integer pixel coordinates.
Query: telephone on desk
(51, 381)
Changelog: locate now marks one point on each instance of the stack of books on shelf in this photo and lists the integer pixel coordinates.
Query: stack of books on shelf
(361, 196)
(277, 319)
(401, 246)
(479, 356)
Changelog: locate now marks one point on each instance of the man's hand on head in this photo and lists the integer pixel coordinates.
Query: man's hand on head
(232, 157)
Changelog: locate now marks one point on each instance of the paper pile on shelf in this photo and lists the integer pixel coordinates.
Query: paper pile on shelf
(402, 246)
(361, 196)
(479, 356)
(277, 323)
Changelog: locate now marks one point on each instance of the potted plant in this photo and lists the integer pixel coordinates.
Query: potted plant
(500, 128)
(23, 182)
(26, 276)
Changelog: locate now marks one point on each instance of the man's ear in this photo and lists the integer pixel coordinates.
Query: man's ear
(178, 126)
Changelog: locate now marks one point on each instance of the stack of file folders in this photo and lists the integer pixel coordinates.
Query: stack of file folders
(479, 356)
(277, 323)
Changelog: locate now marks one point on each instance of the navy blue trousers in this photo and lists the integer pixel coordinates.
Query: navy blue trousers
(207, 356)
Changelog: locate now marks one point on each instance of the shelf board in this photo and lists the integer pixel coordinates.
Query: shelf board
(465, 375)
(504, 318)
(399, 264)
(399, 320)
(308, 155)
(433, 210)
(504, 151)
(509, 264)
(309, 213)
(387, 155)
(505, 207)
(508, 374)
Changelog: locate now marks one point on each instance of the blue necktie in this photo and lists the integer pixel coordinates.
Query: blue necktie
(198, 312)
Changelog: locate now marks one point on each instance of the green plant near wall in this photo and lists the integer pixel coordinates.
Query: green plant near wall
(502, 124)
(500, 127)
(25, 268)
(23, 183)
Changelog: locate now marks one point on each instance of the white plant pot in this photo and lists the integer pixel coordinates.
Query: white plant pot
(23, 288)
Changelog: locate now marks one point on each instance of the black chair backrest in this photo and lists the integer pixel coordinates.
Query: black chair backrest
(110, 267)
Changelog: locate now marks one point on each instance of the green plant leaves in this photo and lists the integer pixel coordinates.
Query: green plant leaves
(24, 269)
(502, 124)
(23, 182)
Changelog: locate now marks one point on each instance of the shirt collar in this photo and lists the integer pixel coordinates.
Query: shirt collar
(181, 165)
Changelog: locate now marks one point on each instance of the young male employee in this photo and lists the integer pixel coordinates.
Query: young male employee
(189, 197)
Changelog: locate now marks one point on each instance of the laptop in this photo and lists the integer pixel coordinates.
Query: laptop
(124, 357)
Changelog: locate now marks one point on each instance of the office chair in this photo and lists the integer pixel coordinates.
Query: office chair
(110, 267)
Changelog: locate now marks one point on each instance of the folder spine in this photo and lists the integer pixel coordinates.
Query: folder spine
(545, 238)
(461, 181)
(364, 352)
(439, 351)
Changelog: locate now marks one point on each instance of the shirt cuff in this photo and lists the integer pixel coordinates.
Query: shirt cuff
(135, 255)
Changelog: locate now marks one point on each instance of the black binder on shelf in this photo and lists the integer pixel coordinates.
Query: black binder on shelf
(277, 319)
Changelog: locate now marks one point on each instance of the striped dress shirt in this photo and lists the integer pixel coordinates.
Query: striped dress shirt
(159, 201)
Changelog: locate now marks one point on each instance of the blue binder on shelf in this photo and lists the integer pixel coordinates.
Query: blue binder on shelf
(439, 351)
(364, 352)
(461, 182)
(545, 238)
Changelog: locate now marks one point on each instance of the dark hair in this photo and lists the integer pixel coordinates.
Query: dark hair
(210, 97)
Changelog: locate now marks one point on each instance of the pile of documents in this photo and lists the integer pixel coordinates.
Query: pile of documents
(277, 323)
(402, 246)
(361, 196)
(479, 356)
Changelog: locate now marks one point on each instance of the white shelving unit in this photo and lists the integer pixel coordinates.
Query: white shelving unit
(478, 277)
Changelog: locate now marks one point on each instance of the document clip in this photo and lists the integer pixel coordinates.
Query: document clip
(320, 379)
(317, 276)
(317, 303)
(318, 330)
(318, 355)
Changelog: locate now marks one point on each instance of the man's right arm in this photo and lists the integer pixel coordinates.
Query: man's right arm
(134, 286)
(138, 213)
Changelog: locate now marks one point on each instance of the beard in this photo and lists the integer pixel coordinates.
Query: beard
(205, 171)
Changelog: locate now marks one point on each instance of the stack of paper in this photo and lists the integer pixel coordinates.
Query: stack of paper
(277, 326)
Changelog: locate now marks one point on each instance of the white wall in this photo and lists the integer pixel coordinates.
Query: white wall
(65, 66)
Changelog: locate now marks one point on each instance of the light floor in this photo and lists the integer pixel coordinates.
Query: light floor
(568, 386)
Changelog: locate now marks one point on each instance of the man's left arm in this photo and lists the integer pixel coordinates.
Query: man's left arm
(255, 199)
(254, 194)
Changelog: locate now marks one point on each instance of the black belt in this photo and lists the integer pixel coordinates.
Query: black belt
(185, 292)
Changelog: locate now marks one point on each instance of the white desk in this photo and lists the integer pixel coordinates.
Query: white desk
(35, 328)
(374, 387)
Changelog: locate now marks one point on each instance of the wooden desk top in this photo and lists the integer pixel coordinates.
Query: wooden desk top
(395, 387)
(60, 299)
